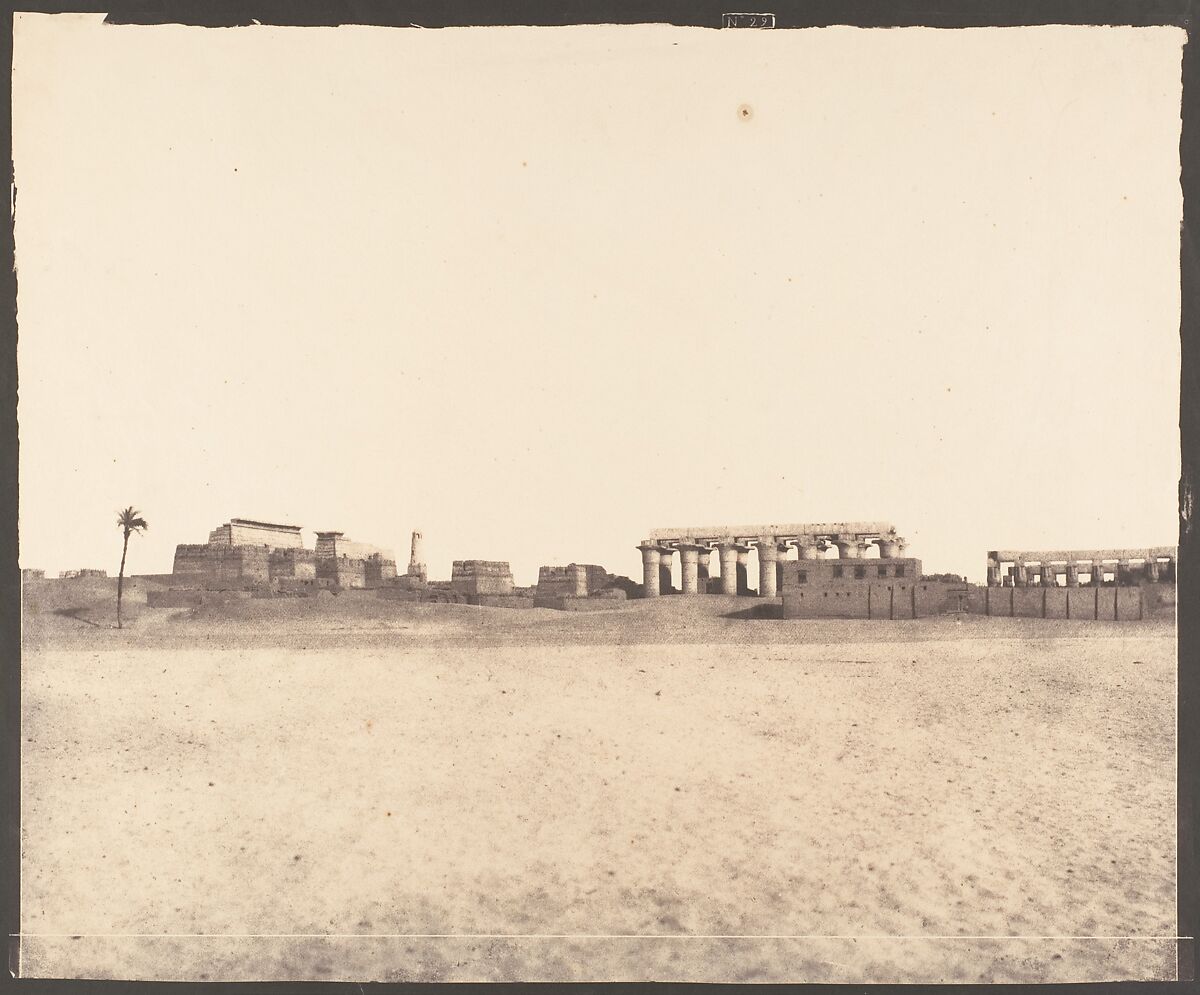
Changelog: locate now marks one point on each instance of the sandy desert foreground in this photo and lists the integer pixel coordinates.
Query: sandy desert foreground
(441, 793)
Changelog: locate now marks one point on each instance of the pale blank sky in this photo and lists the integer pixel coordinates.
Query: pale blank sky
(539, 291)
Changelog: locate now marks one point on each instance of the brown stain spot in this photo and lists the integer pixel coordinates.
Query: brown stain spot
(745, 112)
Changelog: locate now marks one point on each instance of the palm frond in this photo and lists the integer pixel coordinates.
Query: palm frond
(131, 521)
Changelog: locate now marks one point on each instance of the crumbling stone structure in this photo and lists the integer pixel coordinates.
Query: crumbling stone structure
(217, 567)
(292, 564)
(352, 564)
(31, 573)
(564, 587)
(242, 554)
(83, 573)
(1100, 584)
(1076, 567)
(476, 577)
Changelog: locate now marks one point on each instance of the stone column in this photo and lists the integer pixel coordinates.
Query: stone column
(768, 556)
(664, 569)
(1020, 574)
(847, 548)
(702, 568)
(743, 569)
(1097, 573)
(1151, 569)
(1122, 572)
(889, 546)
(1046, 572)
(993, 572)
(689, 564)
(861, 547)
(1072, 574)
(729, 559)
(808, 550)
(650, 566)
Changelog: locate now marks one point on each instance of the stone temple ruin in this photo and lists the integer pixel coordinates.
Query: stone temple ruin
(1100, 584)
(245, 556)
(772, 543)
(579, 587)
(796, 572)
(1082, 584)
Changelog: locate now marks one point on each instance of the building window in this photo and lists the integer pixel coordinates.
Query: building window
(837, 571)
(802, 576)
(883, 571)
(860, 573)
(899, 571)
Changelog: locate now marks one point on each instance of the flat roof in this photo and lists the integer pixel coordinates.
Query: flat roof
(1068, 555)
(797, 530)
(264, 525)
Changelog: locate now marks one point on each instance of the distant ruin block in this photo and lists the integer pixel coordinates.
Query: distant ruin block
(378, 570)
(561, 587)
(215, 567)
(85, 572)
(245, 532)
(295, 564)
(352, 564)
(29, 573)
(555, 582)
(472, 577)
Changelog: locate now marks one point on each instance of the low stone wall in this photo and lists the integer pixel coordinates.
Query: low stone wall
(302, 586)
(572, 603)
(500, 600)
(431, 595)
(1118, 603)
(182, 597)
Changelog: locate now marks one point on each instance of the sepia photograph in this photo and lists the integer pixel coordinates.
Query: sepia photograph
(374, 385)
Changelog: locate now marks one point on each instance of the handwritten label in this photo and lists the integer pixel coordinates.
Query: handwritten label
(749, 21)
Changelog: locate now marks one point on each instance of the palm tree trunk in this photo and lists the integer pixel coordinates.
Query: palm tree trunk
(121, 577)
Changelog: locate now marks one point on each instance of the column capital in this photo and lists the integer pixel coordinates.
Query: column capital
(768, 548)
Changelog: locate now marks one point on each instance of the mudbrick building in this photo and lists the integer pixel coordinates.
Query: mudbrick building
(579, 587)
(883, 588)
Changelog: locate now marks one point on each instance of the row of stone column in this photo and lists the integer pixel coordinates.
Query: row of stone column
(694, 560)
(1020, 572)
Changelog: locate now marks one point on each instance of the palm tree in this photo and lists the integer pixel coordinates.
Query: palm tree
(129, 521)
